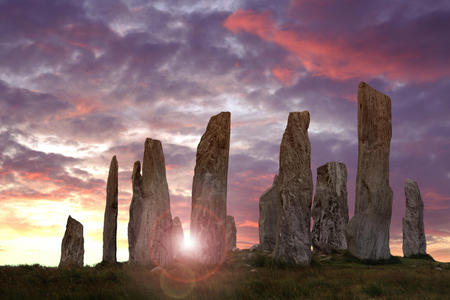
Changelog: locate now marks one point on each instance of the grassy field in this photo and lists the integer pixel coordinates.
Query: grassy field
(244, 275)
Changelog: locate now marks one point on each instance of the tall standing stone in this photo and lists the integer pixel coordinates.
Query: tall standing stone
(330, 210)
(231, 233)
(150, 225)
(136, 214)
(295, 186)
(209, 190)
(414, 242)
(111, 210)
(177, 236)
(268, 217)
(368, 231)
(72, 246)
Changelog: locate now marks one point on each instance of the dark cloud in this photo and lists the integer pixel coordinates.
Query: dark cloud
(19, 105)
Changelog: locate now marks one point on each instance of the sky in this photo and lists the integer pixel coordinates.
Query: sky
(81, 81)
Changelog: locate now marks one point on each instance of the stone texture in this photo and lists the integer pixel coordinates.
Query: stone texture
(72, 246)
(177, 236)
(110, 219)
(368, 231)
(295, 186)
(414, 242)
(209, 190)
(150, 225)
(231, 233)
(330, 210)
(268, 217)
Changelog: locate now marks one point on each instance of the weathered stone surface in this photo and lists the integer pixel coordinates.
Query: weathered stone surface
(72, 246)
(414, 242)
(295, 186)
(330, 210)
(231, 232)
(110, 219)
(268, 217)
(150, 225)
(177, 236)
(209, 190)
(368, 231)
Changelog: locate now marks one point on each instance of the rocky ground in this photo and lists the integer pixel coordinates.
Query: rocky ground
(244, 275)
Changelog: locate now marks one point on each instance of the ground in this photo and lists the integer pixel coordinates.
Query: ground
(243, 275)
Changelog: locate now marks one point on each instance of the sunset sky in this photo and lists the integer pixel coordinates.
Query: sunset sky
(81, 81)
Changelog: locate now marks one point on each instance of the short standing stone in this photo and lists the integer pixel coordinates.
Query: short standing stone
(209, 190)
(231, 233)
(110, 219)
(72, 247)
(268, 217)
(368, 231)
(150, 225)
(414, 242)
(295, 186)
(330, 211)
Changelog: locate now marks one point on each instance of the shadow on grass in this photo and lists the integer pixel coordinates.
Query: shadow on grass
(421, 256)
(352, 259)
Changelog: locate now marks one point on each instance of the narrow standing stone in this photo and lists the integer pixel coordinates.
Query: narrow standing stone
(368, 231)
(150, 225)
(330, 211)
(177, 236)
(136, 213)
(414, 242)
(111, 209)
(268, 217)
(295, 186)
(231, 233)
(209, 190)
(72, 246)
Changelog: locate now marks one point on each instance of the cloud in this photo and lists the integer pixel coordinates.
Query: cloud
(19, 105)
(248, 223)
(355, 54)
(39, 175)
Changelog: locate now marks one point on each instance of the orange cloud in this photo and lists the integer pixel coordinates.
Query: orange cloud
(36, 176)
(284, 75)
(330, 57)
(248, 223)
(435, 201)
(81, 45)
(260, 24)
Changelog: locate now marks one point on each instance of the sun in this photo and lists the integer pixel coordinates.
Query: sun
(189, 244)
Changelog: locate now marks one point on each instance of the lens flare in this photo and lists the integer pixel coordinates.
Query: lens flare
(189, 244)
(188, 260)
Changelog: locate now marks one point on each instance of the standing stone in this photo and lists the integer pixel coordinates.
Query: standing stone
(368, 231)
(177, 236)
(209, 190)
(268, 217)
(150, 225)
(231, 233)
(414, 242)
(136, 212)
(72, 246)
(110, 220)
(330, 211)
(295, 186)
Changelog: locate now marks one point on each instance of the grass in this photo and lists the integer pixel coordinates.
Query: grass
(244, 275)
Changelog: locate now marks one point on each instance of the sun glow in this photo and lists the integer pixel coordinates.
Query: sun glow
(189, 244)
